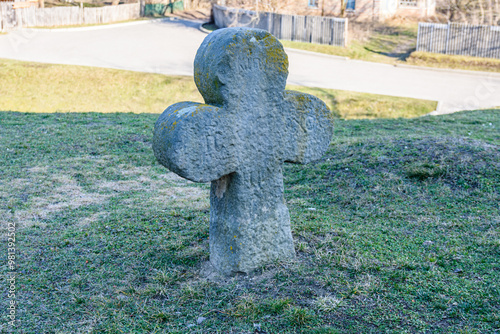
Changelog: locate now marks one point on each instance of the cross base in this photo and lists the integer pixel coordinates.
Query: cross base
(249, 227)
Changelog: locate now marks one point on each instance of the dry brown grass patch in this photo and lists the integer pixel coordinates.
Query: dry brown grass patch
(68, 195)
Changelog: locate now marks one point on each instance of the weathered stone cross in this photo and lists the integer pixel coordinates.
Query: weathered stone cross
(239, 140)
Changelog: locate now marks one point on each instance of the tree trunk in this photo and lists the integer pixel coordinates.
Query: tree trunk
(497, 12)
(490, 12)
(41, 3)
(451, 11)
(481, 8)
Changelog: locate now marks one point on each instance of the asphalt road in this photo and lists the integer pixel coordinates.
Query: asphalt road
(169, 46)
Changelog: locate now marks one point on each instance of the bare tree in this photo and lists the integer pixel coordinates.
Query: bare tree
(496, 15)
(490, 12)
(472, 11)
(481, 14)
(343, 7)
(265, 5)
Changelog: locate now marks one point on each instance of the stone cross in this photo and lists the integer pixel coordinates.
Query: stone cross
(239, 140)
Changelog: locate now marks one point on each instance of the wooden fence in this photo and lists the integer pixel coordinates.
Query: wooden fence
(312, 29)
(6, 16)
(459, 39)
(62, 16)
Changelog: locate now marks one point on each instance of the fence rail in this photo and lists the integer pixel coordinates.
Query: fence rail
(459, 39)
(312, 29)
(60, 16)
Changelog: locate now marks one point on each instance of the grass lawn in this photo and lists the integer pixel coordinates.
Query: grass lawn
(209, 26)
(397, 230)
(25, 88)
(385, 44)
(395, 44)
(455, 62)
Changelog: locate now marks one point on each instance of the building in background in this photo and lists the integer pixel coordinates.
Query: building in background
(362, 10)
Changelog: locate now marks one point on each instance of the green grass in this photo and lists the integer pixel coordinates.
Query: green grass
(351, 105)
(384, 44)
(397, 230)
(110, 90)
(455, 62)
(209, 26)
(355, 50)
(395, 44)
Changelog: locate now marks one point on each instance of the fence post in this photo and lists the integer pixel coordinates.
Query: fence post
(81, 12)
(447, 38)
(418, 35)
(270, 22)
(346, 31)
(460, 39)
(281, 27)
(16, 22)
(432, 39)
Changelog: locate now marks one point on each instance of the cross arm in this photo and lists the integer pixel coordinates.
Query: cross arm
(308, 127)
(195, 141)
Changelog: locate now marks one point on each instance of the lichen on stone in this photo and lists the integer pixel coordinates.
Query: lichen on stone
(239, 139)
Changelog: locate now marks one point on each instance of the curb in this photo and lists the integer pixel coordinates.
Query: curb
(97, 27)
(447, 111)
(310, 53)
(448, 70)
(109, 26)
(414, 67)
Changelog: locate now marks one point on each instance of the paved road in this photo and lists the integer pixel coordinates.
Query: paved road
(169, 47)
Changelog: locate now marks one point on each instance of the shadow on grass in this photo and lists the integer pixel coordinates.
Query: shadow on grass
(328, 97)
(402, 56)
(388, 214)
